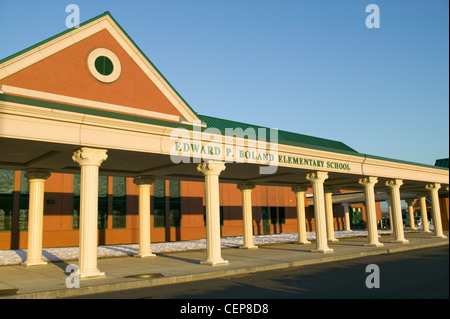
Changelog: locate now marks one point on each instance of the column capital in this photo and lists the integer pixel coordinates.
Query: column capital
(394, 183)
(368, 181)
(433, 186)
(37, 173)
(143, 180)
(299, 189)
(89, 156)
(211, 168)
(317, 177)
(245, 186)
(410, 201)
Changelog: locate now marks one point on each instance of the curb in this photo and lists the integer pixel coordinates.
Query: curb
(67, 293)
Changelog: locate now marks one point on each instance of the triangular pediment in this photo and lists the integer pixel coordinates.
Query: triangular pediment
(97, 66)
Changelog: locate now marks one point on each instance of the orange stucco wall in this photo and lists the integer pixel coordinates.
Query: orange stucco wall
(58, 214)
(66, 73)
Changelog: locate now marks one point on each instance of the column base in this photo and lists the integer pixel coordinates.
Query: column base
(324, 251)
(29, 263)
(248, 247)
(144, 255)
(303, 242)
(439, 236)
(401, 241)
(374, 244)
(333, 240)
(427, 231)
(216, 262)
(91, 274)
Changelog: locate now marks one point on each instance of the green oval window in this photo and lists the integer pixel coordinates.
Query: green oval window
(103, 65)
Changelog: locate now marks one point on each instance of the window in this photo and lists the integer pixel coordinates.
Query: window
(6, 199)
(174, 204)
(281, 215)
(119, 202)
(104, 65)
(24, 201)
(159, 203)
(102, 202)
(273, 215)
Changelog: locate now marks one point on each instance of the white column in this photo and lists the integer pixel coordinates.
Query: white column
(144, 184)
(394, 186)
(347, 216)
(90, 160)
(247, 216)
(301, 222)
(371, 213)
(36, 178)
(317, 179)
(212, 170)
(436, 210)
(329, 215)
(412, 224)
(424, 213)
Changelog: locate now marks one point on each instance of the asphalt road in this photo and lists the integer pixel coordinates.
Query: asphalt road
(422, 273)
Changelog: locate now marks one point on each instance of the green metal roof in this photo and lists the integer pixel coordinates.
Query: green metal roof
(442, 162)
(284, 137)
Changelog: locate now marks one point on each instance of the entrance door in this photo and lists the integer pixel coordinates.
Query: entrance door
(265, 220)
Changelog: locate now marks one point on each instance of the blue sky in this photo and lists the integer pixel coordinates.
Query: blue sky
(306, 66)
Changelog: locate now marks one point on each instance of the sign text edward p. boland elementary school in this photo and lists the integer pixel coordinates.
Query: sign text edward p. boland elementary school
(252, 155)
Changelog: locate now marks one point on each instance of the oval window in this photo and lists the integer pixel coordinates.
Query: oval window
(104, 65)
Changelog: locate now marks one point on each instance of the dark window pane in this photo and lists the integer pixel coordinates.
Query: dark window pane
(6, 203)
(273, 215)
(281, 215)
(103, 65)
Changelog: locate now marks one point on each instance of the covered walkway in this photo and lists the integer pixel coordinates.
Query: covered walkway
(127, 273)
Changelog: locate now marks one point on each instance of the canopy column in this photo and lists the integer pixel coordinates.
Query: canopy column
(301, 222)
(371, 214)
(90, 160)
(36, 178)
(247, 216)
(436, 210)
(394, 186)
(347, 216)
(212, 170)
(144, 184)
(329, 214)
(424, 213)
(317, 179)
(412, 223)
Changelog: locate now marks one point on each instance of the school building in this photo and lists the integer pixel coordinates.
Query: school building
(98, 148)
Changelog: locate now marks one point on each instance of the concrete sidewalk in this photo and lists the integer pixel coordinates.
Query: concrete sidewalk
(49, 281)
